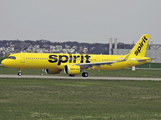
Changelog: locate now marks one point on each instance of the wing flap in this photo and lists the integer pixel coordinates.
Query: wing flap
(97, 64)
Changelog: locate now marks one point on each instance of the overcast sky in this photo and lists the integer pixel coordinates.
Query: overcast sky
(93, 21)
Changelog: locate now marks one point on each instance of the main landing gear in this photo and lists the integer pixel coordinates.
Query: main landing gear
(20, 72)
(84, 74)
(72, 75)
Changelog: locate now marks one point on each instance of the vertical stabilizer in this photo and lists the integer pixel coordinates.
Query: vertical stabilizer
(139, 49)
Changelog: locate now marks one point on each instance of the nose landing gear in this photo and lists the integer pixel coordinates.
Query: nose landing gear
(20, 72)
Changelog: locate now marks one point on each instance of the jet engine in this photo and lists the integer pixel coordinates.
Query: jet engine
(72, 69)
(52, 71)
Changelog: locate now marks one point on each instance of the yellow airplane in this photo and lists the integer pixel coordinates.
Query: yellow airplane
(73, 64)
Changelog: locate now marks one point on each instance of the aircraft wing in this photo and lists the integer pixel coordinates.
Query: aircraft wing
(97, 64)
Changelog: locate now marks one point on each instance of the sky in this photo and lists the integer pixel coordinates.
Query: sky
(91, 21)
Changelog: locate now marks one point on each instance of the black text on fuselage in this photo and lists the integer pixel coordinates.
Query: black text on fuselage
(68, 58)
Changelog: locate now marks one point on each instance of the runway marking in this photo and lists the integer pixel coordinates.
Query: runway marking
(89, 78)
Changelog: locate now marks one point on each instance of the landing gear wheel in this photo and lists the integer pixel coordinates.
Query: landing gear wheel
(71, 75)
(84, 74)
(19, 74)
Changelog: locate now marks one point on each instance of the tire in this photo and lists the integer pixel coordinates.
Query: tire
(71, 75)
(19, 74)
(84, 74)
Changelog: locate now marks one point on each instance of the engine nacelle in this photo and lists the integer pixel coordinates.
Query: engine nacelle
(72, 69)
(52, 71)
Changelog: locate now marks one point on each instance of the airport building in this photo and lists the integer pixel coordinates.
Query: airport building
(153, 50)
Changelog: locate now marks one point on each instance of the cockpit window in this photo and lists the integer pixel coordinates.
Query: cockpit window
(11, 57)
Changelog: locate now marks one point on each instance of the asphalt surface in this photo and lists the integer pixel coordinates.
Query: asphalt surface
(67, 77)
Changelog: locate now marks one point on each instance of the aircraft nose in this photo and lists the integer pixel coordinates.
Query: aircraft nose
(3, 62)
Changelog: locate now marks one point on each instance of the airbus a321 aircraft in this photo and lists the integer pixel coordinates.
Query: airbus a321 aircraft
(73, 64)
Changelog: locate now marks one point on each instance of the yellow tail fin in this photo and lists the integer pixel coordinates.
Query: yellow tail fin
(139, 49)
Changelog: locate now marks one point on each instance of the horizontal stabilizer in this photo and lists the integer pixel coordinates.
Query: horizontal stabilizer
(142, 60)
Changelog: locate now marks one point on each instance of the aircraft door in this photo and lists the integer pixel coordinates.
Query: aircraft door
(97, 59)
(22, 58)
(129, 62)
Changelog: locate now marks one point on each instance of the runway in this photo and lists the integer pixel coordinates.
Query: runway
(84, 78)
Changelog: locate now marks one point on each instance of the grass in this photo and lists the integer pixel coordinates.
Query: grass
(149, 65)
(111, 73)
(46, 99)
(5, 70)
